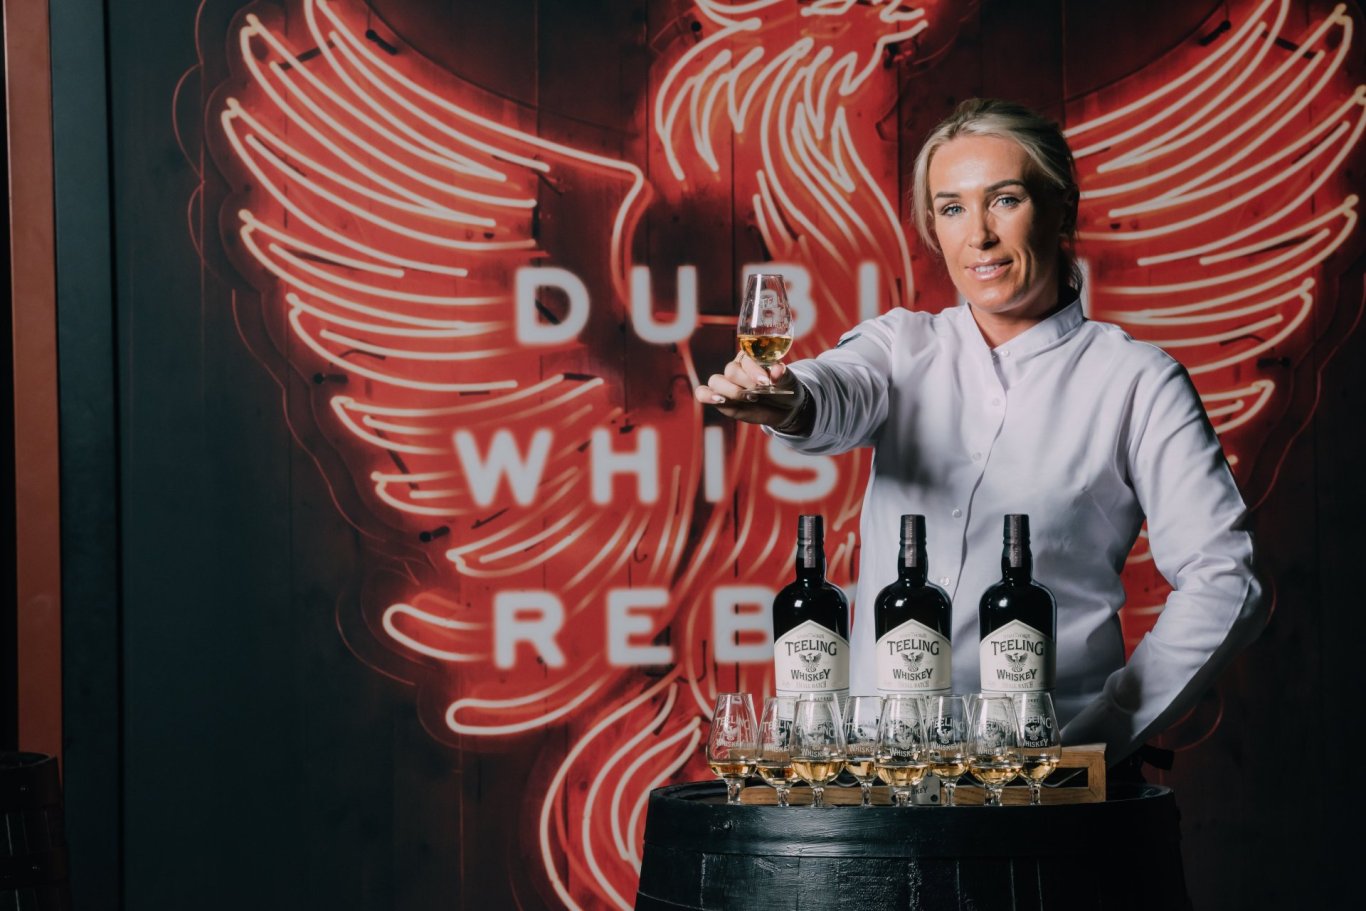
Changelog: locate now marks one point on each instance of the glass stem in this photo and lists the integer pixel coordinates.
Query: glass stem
(732, 790)
(948, 792)
(1035, 793)
(867, 787)
(782, 797)
(817, 796)
(993, 797)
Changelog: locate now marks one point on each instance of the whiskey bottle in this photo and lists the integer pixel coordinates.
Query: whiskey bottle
(1018, 619)
(811, 623)
(912, 619)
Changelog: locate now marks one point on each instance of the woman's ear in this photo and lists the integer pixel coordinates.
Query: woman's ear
(1071, 198)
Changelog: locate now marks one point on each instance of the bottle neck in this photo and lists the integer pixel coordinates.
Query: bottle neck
(810, 558)
(912, 565)
(1017, 563)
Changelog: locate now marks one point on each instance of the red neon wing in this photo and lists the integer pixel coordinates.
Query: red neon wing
(383, 218)
(1215, 201)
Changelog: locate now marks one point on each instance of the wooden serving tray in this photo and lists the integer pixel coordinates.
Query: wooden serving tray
(1079, 778)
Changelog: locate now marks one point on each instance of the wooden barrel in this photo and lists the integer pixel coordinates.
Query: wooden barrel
(33, 858)
(702, 855)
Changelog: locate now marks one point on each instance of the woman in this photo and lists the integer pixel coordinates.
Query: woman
(1016, 403)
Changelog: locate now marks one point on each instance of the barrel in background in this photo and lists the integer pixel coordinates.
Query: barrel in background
(703, 855)
(33, 855)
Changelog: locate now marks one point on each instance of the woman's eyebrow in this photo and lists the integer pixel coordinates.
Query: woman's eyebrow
(1011, 181)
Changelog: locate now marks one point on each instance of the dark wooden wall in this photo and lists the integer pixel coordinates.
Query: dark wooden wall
(225, 749)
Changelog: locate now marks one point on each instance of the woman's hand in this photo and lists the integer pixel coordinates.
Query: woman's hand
(730, 392)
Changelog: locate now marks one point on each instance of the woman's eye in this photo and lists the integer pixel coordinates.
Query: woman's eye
(1009, 202)
(951, 209)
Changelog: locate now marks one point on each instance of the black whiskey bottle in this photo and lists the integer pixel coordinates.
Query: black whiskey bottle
(1018, 619)
(912, 619)
(811, 623)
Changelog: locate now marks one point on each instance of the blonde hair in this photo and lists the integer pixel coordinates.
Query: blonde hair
(1043, 142)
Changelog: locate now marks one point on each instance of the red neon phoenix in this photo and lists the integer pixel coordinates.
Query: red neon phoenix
(533, 456)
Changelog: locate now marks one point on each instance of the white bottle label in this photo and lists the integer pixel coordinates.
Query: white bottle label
(1016, 658)
(913, 659)
(810, 658)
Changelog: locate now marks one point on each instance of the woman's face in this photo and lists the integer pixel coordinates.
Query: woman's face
(998, 226)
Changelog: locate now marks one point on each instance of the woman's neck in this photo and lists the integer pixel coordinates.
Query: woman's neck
(999, 328)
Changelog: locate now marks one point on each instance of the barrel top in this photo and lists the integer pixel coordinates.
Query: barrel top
(28, 781)
(10, 759)
(715, 792)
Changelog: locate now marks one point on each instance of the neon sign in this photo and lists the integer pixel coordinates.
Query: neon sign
(555, 534)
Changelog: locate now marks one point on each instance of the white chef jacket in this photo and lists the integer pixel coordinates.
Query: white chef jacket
(1086, 431)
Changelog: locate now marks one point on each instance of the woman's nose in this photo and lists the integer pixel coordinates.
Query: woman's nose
(982, 235)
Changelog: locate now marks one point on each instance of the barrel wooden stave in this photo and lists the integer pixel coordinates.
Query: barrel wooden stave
(34, 873)
(702, 855)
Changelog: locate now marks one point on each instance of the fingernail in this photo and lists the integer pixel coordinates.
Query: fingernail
(719, 399)
(751, 397)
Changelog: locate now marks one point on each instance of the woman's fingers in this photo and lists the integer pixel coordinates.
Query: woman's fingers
(709, 395)
(727, 389)
(733, 392)
(745, 371)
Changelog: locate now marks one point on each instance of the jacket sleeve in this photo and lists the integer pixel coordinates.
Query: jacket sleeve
(1197, 532)
(847, 386)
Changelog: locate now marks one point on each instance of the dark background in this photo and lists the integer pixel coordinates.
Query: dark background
(224, 748)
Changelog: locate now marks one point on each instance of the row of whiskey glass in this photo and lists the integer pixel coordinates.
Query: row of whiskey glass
(899, 740)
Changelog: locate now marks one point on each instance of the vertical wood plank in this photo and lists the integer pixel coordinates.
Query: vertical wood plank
(36, 624)
(92, 616)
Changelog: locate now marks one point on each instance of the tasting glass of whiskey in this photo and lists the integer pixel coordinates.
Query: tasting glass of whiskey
(763, 329)
(733, 742)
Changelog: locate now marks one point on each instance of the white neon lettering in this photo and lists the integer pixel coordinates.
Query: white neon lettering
(531, 329)
(741, 610)
(713, 464)
(869, 296)
(824, 474)
(643, 463)
(681, 327)
(625, 619)
(533, 617)
(504, 460)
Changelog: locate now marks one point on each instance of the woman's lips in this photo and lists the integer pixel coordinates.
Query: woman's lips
(988, 271)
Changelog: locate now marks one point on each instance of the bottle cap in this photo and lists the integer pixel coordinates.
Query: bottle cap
(1017, 540)
(912, 540)
(912, 529)
(810, 527)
